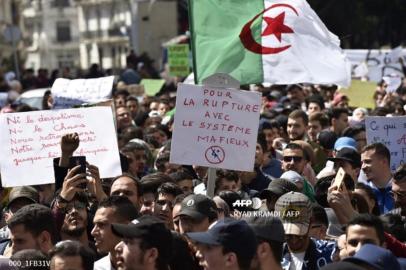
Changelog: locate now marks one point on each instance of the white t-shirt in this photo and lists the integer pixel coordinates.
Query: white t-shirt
(103, 264)
(297, 261)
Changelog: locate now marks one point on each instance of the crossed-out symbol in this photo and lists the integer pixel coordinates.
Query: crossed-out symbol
(215, 154)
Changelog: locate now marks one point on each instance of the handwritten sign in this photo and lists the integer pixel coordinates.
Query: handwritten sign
(69, 93)
(215, 127)
(391, 131)
(152, 86)
(29, 141)
(361, 94)
(178, 60)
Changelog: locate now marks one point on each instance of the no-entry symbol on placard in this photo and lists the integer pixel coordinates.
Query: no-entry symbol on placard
(215, 154)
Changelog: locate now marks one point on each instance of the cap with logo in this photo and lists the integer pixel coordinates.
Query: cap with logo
(295, 211)
(198, 206)
(376, 257)
(278, 187)
(150, 228)
(267, 227)
(234, 235)
(25, 192)
(348, 154)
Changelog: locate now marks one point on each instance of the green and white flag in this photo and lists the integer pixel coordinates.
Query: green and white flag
(274, 41)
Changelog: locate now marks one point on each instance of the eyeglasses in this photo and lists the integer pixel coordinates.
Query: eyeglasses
(77, 205)
(290, 158)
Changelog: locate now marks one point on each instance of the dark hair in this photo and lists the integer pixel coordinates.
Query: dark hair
(394, 225)
(322, 185)
(161, 160)
(35, 218)
(180, 198)
(230, 197)
(353, 131)
(319, 215)
(151, 182)
(380, 150)
(131, 98)
(295, 146)
(369, 220)
(31, 255)
(315, 99)
(170, 188)
(276, 247)
(180, 176)
(261, 140)
(244, 261)
(371, 194)
(299, 114)
(336, 113)
(121, 92)
(70, 248)
(124, 210)
(321, 117)
(163, 259)
(400, 174)
(134, 179)
(228, 175)
(181, 256)
(269, 125)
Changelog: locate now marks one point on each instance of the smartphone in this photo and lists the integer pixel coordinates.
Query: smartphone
(79, 160)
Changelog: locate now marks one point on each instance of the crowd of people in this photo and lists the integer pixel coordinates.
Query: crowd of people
(157, 215)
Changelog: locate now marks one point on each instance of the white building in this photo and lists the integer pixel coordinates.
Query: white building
(51, 33)
(110, 28)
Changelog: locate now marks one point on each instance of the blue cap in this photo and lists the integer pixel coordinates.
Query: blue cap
(345, 142)
(234, 235)
(375, 256)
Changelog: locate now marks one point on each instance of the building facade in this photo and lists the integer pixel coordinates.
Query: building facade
(51, 34)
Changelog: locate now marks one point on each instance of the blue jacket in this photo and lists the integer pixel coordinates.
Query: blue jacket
(318, 254)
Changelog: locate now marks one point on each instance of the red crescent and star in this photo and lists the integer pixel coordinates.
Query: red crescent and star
(275, 26)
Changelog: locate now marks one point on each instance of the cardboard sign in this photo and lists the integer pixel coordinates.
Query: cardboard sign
(361, 94)
(152, 86)
(69, 93)
(178, 60)
(29, 141)
(137, 90)
(391, 131)
(215, 127)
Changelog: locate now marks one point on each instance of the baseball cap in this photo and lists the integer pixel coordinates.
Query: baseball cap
(327, 139)
(375, 256)
(234, 235)
(345, 142)
(267, 227)
(293, 177)
(24, 192)
(295, 211)
(150, 228)
(198, 206)
(278, 187)
(348, 154)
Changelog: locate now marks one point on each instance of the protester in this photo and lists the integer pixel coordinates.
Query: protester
(71, 255)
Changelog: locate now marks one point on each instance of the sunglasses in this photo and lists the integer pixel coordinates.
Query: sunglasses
(290, 158)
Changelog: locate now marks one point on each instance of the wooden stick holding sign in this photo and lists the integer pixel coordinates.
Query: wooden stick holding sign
(219, 80)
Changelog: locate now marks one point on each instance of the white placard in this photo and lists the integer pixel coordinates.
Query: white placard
(30, 140)
(391, 131)
(215, 127)
(68, 93)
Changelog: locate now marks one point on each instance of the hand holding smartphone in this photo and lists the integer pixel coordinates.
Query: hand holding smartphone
(79, 160)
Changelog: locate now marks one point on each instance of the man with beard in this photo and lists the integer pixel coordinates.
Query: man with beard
(115, 209)
(146, 244)
(32, 227)
(297, 125)
(74, 226)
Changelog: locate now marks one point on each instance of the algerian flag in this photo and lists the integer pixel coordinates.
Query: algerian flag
(274, 41)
